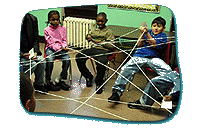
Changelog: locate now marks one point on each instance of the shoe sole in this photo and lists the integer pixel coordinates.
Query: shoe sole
(136, 106)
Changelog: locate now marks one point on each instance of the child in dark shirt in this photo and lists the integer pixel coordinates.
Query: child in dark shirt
(98, 35)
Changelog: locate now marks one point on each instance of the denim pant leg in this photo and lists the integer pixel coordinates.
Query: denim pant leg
(65, 64)
(159, 66)
(128, 71)
(162, 83)
(39, 71)
(25, 62)
(49, 63)
(20, 67)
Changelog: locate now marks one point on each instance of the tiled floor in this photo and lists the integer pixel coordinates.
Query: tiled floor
(68, 102)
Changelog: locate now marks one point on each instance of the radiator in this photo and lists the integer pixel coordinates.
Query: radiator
(77, 29)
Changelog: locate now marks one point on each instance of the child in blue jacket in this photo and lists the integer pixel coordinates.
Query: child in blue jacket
(144, 57)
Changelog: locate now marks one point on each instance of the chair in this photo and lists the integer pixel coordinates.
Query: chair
(164, 56)
(70, 67)
(110, 59)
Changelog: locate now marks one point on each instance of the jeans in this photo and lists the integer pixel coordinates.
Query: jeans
(130, 68)
(163, 83)
(64, 56)
(38, 69)
(81, 63)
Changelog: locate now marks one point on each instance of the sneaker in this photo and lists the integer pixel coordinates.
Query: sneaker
(100, 90)
(63, 85)
(114, 97)
(137, 105)
(40, 88)
(89, 82)
(51, 87)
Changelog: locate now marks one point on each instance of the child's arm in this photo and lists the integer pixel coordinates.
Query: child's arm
(109, 37)
(50, 41)
(141, 43)
(89, 38)
(150, 39)
(64, 44)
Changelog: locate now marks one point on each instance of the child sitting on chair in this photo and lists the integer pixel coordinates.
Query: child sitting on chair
(56, 39)
(29, 40)
(163, 83)
(98, 35)
(148, 56)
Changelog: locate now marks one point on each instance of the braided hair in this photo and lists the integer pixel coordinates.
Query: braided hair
(50, 14)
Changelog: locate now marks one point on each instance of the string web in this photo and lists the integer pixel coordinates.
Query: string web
(114, 72)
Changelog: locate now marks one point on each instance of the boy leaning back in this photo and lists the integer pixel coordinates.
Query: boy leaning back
(144, 57)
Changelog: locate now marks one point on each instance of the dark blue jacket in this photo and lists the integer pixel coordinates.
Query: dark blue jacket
(150, 51)
(29, 35)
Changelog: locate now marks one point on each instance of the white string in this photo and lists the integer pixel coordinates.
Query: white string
(120, 75)
(172, 37)
(120, 102)
(110, 53)
(108, 78)
(139, 68)
(84, 103)
(39, 62)
(115, 71)
(30, 68)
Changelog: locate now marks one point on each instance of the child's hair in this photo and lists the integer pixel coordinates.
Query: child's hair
(103, 15)
(52, 12)
(26, 88)
(159, 20)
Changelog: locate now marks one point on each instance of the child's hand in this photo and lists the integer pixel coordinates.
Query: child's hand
(167, 98)
(26, 55)
(89, 37)
(97, 41)
(65, 49)
(143, 29)
(35, 56)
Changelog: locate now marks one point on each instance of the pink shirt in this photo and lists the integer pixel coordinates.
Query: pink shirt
(55, 38)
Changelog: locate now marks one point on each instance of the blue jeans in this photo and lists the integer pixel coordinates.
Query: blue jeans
(64, 56)
(163, 84)
(130, 68)
(38, 69)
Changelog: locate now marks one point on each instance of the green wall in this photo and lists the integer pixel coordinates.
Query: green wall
(119, 17)
(42, 17)
(132, 18)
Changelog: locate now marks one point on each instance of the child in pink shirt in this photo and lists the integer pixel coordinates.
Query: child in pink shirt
(56, 41)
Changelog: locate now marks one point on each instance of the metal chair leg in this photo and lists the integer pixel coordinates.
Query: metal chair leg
(70, 74)
(107, 71)
(80, 79)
